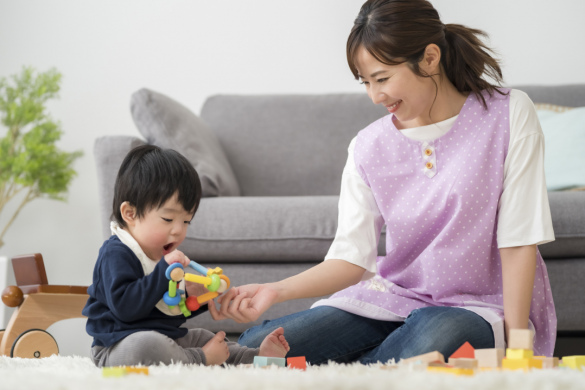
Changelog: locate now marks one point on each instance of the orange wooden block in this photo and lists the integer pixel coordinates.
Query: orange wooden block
(298, 362)
(464, 351)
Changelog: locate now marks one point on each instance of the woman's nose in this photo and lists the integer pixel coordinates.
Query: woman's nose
(376, 95)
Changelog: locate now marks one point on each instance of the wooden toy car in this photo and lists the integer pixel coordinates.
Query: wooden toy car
(38, 306)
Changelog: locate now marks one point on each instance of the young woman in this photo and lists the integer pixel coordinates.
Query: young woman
(455, 172)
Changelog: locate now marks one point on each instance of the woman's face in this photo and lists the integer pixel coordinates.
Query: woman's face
(406, 95)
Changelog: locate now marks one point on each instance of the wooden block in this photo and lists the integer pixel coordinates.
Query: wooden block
(452, 370)
(521, 364)
(463, 363)
(113, 372)
(490, 357)
(548, 362)
(521, 339)
(519, 353)
(430, 357)
(576, 362)
(298, 362)
(136, 370)
(464, 351)
(264, 361)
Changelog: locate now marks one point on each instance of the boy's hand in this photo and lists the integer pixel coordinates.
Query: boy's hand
(177, 256)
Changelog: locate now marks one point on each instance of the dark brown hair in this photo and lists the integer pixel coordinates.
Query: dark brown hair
(149, 176)
(398, 31)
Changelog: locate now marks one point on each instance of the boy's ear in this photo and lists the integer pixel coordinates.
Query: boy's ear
(128, 213)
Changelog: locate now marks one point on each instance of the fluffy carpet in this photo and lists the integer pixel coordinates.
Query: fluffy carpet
(65, 372)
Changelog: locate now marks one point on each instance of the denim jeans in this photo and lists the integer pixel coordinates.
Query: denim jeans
(326, 333)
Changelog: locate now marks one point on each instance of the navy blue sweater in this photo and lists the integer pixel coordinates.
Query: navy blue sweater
(122, 299)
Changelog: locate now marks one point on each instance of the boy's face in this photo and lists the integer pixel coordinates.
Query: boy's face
(160, 230)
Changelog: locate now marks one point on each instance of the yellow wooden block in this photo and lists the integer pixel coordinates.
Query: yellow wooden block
(113, 372)
(575, 362)
(519, 353)
(521, 364)
(548, 362)
(136, 370)
(452, 370)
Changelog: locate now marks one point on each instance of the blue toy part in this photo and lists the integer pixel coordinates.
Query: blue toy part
(171, 268)
(198, 267)
(171, 301)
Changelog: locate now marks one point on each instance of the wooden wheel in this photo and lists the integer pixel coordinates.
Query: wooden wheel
(34, 343)
(1, 335)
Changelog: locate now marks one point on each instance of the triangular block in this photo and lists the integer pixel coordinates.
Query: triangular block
(464, 351)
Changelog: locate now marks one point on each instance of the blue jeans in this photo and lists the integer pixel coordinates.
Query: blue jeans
(326, 333)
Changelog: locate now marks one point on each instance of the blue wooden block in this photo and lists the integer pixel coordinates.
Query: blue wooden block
(263, 361)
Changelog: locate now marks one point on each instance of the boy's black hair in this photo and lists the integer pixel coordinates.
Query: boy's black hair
(149, 176)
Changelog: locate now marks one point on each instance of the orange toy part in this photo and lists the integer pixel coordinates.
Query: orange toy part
(192, 303)
(464, 351)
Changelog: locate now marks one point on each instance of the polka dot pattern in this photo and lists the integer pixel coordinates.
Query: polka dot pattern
(439, 200)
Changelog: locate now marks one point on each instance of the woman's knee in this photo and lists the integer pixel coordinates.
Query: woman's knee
(446, 329)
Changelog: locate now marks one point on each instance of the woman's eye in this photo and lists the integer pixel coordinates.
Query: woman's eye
(364, 83)
(382, 80)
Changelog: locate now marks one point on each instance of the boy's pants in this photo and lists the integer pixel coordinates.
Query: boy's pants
(151, 348)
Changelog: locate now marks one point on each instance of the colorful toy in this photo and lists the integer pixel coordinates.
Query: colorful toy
(464, 351)
(38, 305)
(574, 362)
(214, 280)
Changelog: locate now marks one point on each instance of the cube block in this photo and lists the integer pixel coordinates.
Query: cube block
(519, 353)
(489, 357)
(299, 362)
(430, 357)
(264, 361)
(463, 363)
(521, 339)
(521, 364)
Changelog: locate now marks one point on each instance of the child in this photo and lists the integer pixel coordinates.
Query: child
(455, 172)
(156, 195)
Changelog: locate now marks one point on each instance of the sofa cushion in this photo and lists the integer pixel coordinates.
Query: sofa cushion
(257, 229)
(170, 125)
(568, 217)
(289, 145)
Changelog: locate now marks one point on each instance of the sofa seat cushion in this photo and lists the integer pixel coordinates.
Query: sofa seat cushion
(262, 229)
(568, 216)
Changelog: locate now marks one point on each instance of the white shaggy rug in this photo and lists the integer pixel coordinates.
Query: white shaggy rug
(65, 372)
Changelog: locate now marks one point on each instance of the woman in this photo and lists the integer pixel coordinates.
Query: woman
(455, 172)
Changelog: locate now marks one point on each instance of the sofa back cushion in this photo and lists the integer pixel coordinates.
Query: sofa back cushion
(288, 145)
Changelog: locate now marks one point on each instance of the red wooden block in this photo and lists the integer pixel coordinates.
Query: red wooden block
(464, 351)
(299, 362)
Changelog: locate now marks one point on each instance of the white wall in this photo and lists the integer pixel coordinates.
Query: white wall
(189, 50)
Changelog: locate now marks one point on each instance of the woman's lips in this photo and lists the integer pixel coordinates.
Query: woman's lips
(393, 107)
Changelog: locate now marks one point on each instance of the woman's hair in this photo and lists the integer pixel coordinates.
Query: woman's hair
(398, 31)
(149, 176)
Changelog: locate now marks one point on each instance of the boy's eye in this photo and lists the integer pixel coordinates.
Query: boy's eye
(167, 220)
(188, 222)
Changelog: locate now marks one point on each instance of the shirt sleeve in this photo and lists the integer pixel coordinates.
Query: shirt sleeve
(523, 211)
(359, 221)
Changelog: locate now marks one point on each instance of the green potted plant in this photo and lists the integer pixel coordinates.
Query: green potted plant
(31, 165)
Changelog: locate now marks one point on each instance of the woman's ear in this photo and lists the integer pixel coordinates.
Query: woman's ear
(431, 62)
(128, 213)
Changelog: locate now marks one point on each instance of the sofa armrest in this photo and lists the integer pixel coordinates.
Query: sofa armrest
(109, 152)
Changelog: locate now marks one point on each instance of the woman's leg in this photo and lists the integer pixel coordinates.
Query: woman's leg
(429, 329)
(324, 333)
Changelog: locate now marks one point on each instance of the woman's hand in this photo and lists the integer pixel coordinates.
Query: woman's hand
(245, 303)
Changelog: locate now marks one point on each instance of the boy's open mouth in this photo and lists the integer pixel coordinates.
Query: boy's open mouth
(168, 247)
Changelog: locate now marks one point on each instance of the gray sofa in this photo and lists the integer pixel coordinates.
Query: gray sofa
(287, 154)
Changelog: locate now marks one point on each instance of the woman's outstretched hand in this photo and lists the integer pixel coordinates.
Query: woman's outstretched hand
(244, 303)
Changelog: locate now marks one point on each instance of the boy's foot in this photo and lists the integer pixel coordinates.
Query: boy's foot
(274, 345)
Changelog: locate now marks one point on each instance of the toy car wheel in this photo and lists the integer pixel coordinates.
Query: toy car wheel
(1, 334)
(34, 344)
